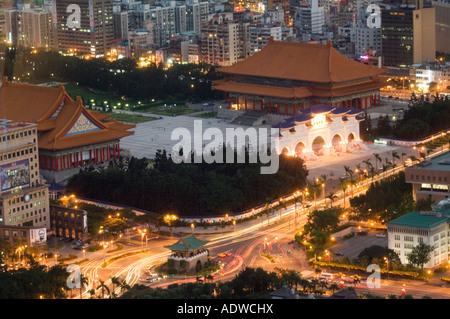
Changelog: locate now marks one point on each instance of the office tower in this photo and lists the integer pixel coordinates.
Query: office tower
(83, 26)
(408, 33)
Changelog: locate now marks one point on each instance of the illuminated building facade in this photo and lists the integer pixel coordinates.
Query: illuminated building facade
(286, 77)
(70, 136)
(223, 42)
(427, 227)
(320, 130)
(24, 199)
(92, 34)
(408, 35)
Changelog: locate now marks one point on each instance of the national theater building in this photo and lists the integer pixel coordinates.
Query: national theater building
(287, 77)
(70, 137)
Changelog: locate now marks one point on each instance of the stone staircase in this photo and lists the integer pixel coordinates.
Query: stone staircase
(249, 118)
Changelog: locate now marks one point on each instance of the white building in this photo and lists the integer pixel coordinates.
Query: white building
(309, 18)
(320, 130)
(438, 73)
(259, 35)
(224, 42)
(429, 227)
(366, 39)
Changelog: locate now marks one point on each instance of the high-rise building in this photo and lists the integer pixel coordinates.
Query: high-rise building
(366, 38)
(442, 25)
(309, 18)
(224, 42)
(259, 35)
(10, 25)
(408, 34)
(84, 26)
(35, 29)
(24, 199)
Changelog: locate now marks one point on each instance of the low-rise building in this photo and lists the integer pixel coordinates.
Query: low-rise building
(430, 178)
(68, 222)
(187, 253)
(427, 227)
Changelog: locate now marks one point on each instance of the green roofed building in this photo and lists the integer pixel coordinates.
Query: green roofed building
(188, 252)
(429, 227)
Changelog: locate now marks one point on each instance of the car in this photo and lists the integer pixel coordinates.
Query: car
(221, 255)
(228, 254)
(381, 235)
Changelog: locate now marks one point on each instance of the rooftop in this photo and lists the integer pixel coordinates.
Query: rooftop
(421, 219)
(314, 63)
(187, 243)
(438, 163)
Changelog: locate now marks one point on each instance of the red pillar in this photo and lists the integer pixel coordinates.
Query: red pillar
(57, 163)
(303, 105)
(286, 106)
(253, 105)
(379, 102)
(270, 107)
(278, 107)
(229, 101)
(295, 108)
(346, 103)
(360, 103)
(366, 102)
(245, 103)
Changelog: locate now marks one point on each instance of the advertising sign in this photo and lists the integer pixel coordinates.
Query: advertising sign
(38, 236)
(14, 175)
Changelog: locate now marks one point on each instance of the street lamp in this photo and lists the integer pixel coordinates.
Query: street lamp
(192, 228)
(234, 224)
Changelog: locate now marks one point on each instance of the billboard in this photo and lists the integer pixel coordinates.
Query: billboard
(38, 236)
(14, 175)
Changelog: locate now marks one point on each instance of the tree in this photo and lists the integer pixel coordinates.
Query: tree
(115, 282)
(420, 255)
(394, 156)
(343, 187)
(103, 287)
(83, 281)
(331, 197)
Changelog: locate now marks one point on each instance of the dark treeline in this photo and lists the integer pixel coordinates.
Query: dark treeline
(34, 283)
(250, 283)
(190, 189)
(387, 199)
(122, 77)
(423, 118)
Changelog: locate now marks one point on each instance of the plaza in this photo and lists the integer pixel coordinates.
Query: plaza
(149, 137)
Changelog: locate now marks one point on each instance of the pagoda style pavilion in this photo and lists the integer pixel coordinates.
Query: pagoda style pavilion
(69, 135)
(286, 77)
(190, 250)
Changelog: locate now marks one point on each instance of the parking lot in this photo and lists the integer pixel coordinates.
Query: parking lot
(352, 247)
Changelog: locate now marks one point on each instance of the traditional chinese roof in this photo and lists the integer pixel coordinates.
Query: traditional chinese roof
(63, 123)
(234, 85)
(308, 62)
(187, 243)
(229, 85)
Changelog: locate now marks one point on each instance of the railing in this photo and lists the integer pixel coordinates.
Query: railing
(177, 258)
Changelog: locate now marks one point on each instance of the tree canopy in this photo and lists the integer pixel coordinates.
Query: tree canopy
(190, 189)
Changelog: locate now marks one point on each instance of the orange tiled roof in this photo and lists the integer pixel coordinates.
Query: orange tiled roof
(263, 90)
(31, 103)
(308, 62)
(229, 85)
